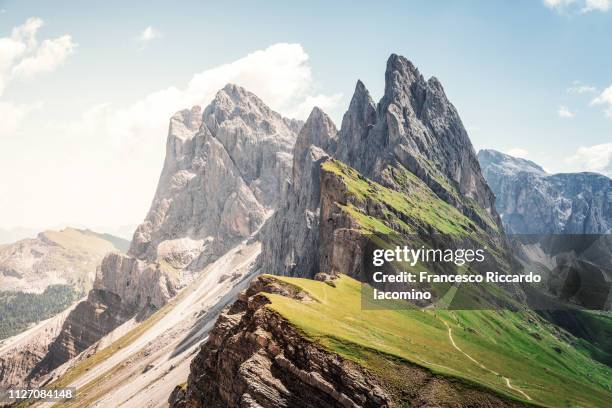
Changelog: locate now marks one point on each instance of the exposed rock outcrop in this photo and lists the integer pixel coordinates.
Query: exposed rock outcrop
(291, 236)
(255, 358)
(21, 353)
(531, 201)
(224, 170)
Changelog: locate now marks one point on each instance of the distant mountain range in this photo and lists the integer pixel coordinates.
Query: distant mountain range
(531, 201)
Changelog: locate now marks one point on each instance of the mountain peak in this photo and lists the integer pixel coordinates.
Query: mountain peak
(400, 74)
(361, 97)
(236, 94)
(319, 130)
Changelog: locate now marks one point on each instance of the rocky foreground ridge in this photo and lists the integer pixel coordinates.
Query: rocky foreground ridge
(224, 170)
(254, 358)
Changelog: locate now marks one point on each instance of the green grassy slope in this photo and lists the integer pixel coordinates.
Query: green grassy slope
(518, 346)
(518, 354)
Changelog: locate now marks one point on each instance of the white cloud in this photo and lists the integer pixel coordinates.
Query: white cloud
(565, 113)
(518, 152)
(147, 35)
(21, 56)
(325, 102)
(605, 98)
(49, 56)
(558, 4)
(578, 87)
(596, 5)
(575, 6)
(597, 158)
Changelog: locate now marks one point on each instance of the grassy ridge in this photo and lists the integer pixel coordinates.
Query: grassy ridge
(549, 370)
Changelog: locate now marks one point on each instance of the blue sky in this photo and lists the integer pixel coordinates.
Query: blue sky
(510, 67)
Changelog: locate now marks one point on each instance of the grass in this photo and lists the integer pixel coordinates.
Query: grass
(412, 212)
(502, 341)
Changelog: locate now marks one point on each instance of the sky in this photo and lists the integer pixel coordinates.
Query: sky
(87, 88)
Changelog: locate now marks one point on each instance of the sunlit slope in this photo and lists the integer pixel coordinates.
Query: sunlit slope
(517, 346)
(518, 354)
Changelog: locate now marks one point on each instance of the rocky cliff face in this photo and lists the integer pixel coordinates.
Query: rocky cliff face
(255, 358)
(291, 236)
(224, 171)
(532, 201)
(413, 128)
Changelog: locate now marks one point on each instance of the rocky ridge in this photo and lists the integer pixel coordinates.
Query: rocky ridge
(255, 358)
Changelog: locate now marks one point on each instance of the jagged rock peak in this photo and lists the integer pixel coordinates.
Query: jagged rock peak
(319, 130)
(290, 238)
(356, 122)
(362, 108)
(400, 76)
(234, 100)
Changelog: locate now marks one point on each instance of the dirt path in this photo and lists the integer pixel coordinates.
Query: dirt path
(478, 363)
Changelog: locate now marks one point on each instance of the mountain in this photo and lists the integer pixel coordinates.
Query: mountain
(400, 171)
(41, 277)
(531, 201)
(66, 257)
(224, 172)
(414, 129)
(237, 199)
(560, 226)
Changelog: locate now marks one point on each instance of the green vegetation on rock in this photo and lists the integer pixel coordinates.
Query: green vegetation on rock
(416, 209)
